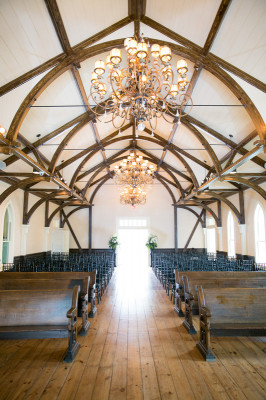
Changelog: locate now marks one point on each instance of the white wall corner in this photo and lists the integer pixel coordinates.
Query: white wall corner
(220, 236)
(24, 233)
(243, 236)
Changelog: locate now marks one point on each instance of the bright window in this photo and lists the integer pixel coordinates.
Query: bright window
(211, 235)
(231, 235)
(7, 237)
(259, 228)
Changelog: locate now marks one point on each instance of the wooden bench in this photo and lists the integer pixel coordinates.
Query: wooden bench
(50, 284)
(230, 312)
(191, 296)
(211, 275)
(39, 314)
(59, 275)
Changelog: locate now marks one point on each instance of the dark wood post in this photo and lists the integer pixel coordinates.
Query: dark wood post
(175, 228)
(90, 226)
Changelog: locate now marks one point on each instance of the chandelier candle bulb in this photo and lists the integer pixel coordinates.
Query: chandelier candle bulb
(181, 67)
(115, 56)
(99, 67)
(109, 63)
(155, 50)
(94, 77)
(132, 47)
(165, 54)
(142, 50)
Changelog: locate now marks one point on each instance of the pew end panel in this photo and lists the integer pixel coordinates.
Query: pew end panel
(204, 344)
(179, 294)
(189, 299)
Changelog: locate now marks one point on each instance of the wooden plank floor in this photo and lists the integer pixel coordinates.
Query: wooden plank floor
(136, 348)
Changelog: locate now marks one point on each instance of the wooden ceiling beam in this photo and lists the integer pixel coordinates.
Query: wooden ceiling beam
(224, 6)
(58, 25)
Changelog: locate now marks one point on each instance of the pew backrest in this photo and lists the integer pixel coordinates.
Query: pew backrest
(36, 307)
(50, 275)
(234, 305)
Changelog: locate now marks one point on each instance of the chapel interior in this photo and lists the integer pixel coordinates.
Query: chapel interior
(132, 199)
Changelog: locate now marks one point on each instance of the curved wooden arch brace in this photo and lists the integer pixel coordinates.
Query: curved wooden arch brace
(248, 183)
(160, 179)
(105, 179)
(20, 184)
(200, 204)
(81, 165)
(65, 141)
(82, 55)
(187, 166)
(72, 212)
(206, 145)
(229, 204)
(168, 168)
(39, 203)
(113, 161)
(193, 212)
(143, 150)
(66, 204)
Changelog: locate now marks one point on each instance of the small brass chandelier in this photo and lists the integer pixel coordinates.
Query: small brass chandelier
(134, 171)
(145, 90)
(133, 196)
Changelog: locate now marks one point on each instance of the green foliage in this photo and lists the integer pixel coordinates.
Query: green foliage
(152, 242)
(113, 242)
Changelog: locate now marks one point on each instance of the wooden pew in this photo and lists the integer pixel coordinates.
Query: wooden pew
(230, 312)
(191, 296)
(59, 275)
(50, 284)
(40, 314)
(211, 275)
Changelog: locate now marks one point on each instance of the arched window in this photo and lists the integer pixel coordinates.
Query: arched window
(7, 249)
(231, 235)
(211, 235)
(259, 228)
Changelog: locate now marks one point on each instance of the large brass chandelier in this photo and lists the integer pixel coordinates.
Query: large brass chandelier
(134, 171)
(134, 174)
(145, 90)
(132, 196)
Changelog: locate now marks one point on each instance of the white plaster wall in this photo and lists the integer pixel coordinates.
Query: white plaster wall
(158, 209)
(186, 222)
(251, 199)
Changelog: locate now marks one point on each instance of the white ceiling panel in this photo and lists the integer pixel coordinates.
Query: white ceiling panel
(27, 37)
(223, 112)
(63, 91)
(241, 39)
(10, 102)
(189, 18)
(83, 18)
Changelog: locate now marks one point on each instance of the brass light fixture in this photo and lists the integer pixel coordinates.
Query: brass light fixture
(132, 196)
(134, 171)
(145, 90)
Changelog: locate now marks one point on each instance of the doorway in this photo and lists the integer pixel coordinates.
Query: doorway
(132, 237)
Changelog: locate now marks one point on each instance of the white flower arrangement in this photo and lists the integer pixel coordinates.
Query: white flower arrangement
(113, 242)
(152, 242)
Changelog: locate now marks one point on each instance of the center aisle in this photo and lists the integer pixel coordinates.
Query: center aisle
(137, 348)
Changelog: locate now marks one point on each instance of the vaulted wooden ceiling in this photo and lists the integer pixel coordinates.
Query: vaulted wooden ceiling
(48, 51)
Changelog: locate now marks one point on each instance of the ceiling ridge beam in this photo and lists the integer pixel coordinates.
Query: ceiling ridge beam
(59, 25)
(224, 6)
